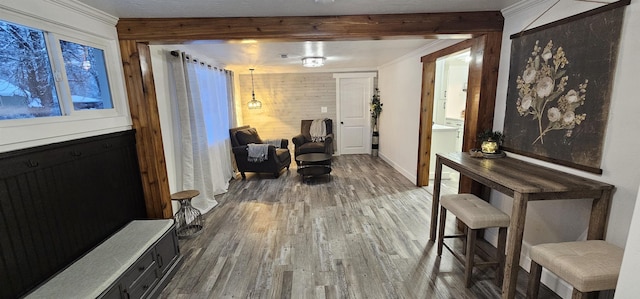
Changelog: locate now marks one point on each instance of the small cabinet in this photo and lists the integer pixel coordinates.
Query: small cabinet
(142, 265)
(143, 285)
(150, 273)
(458, 123)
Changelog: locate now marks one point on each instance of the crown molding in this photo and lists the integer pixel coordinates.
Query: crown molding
(86, 10)
(521, 6)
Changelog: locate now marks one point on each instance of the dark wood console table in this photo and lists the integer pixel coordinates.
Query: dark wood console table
(524, 182)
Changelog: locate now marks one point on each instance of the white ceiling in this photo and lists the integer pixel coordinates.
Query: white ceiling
(265, 57)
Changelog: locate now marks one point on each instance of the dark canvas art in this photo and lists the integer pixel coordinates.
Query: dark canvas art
(559, 90)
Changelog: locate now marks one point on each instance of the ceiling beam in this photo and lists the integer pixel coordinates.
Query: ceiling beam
(353, 27)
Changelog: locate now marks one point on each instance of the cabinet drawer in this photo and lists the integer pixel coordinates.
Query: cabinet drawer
(112, 293)
(135, 272)
(143, 285)
(166, 251)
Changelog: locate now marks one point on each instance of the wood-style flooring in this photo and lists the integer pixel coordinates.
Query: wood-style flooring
(361, 232)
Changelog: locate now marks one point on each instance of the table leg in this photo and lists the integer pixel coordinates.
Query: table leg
(435, 201)
(514, 245)
(598, 219)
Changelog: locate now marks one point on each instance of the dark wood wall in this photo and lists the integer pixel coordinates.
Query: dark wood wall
(59, 201)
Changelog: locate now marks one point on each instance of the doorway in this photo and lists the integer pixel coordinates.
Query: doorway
(479, 106)
(450, 100)
(353, 93)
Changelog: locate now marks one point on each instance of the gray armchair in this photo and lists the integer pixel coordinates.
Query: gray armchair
(304, 144)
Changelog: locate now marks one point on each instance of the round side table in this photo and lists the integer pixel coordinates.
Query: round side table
(188, 219)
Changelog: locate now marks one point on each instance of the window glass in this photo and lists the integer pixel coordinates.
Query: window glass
(27, 86)
(87, 76)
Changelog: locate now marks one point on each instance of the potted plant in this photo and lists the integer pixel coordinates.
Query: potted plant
(490, 141)
(376, 109)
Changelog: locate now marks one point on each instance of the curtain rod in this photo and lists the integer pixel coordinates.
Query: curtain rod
(177, 54)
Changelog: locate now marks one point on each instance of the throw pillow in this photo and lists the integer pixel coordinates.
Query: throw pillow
(248, 136)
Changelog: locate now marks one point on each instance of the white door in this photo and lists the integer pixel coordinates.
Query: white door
(354, 92)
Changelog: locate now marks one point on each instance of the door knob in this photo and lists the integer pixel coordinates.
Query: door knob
(342, 123)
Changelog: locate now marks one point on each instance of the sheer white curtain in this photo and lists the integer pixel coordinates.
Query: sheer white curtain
(202, 97)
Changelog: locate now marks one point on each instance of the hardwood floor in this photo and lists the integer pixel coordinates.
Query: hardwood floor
(361, 232)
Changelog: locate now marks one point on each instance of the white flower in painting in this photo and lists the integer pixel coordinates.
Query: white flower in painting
(529, 75)
(526, 102)
(572, 96)
(568, 117)
(546, 55)
(544, 87)
(554, 114)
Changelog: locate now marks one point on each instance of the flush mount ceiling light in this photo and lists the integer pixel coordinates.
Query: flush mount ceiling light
(253, 104)
(313, 61)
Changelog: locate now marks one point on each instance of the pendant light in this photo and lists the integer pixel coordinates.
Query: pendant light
(253, 104)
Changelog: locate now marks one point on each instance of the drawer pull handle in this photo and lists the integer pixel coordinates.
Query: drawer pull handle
(160, 263)
(141, 268)
(145, 287)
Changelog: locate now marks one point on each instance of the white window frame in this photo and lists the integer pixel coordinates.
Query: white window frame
(60, 72)
(20, 133)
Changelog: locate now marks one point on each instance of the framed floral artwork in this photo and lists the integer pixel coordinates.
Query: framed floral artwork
(559, 90)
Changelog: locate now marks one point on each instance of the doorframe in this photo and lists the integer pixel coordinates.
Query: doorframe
(481, 96)
(371, 81)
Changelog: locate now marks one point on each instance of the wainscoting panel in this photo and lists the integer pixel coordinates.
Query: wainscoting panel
(60, 200)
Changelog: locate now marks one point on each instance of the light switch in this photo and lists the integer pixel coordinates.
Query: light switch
(323, 109)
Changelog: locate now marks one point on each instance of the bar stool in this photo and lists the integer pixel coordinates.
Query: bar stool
(188, 219)
(476, 214)
(589, 266)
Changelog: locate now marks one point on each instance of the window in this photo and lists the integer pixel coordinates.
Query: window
(27, 87)
(86, 75)
(61, 74)
(32, 87)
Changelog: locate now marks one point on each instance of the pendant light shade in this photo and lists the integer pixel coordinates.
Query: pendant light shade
(253, 104)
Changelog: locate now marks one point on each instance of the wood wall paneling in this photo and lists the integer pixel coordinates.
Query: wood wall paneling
(60, 200)
(426, 119)
(481, 96)
(143, 106)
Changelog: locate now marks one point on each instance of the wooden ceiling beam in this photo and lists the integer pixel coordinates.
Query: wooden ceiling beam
(353, 27)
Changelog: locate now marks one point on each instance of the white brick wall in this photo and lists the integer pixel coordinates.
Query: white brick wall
(287, 99)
